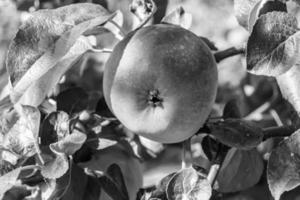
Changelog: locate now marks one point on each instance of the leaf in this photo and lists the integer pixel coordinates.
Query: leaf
(237, 133)
(119, 154)
(273, 46)
(22, 138)
(92, 189)
(39, 89)
(73, 185)
(289, 86)
(54, 127)
(270, 6)
(187, 184)
(102, 108)
(263, 7)
(242, 9)
(56, 168)
(5, 167)
(210, 147)
(78, 184)
(142, 9)
(179, 17)
(231, 109)
(161, 188)
(10, 157)
(72, 100)
(68, 40)
(115, 173)
(283, 166)
(8, 118)
(111, 188)
(61, 124)
(240, 170)
(70, 144)
(8, 180)
(105, 143)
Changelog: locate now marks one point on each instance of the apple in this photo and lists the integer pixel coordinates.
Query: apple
(160, 82)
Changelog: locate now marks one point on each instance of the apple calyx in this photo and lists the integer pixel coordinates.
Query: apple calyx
(154, 99)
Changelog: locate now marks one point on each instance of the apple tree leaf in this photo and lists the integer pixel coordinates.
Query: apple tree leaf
(283, 166)
(270, 6)
(5, 167)
(273, 46)
(8, 180)
(179, 17)
(63, 42)
(188, 184)
(54, 127)
(289, 86)
(263, 7)
(8, 118)
(210, 147)
(115, 173)
(69, 144)
(56, 167)
(242, 9)
(240, 170)
(237, 133)
(110, 187)
(72, 100)
(161, 189)
(231, 109)
(142, 9)
(77, 184)
(119, 154)
(92, 189)
(22, 138)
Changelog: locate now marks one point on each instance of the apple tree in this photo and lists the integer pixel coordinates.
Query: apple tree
(96, 93)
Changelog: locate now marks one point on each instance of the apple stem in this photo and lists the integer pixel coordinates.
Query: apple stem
(186, 157)
(232, 51)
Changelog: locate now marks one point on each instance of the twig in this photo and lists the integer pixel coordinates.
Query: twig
(221, 55)
(30, 167)
(281, 131)
(104, 50)
(257, 113)
(218, 161)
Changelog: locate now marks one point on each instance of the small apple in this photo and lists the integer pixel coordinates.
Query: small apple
(161, 81)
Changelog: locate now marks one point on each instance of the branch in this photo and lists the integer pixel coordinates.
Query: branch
(221, 55)
(278, 131)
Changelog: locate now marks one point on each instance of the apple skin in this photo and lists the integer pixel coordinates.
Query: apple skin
(161, 81)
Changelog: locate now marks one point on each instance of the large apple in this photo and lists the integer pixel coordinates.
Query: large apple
(160, 81)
